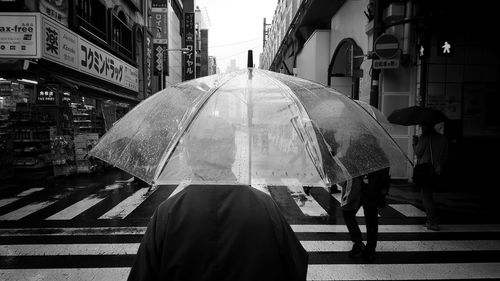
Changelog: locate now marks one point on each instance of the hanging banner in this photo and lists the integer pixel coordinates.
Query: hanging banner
(189, 42)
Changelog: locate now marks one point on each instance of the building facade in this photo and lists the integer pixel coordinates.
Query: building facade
(444, 58)
(69, 70)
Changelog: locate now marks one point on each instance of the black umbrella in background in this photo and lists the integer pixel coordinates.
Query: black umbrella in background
(416, 115)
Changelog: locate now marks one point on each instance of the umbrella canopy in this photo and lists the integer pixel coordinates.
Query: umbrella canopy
(377, 114)
(247, 127)
(416, 115)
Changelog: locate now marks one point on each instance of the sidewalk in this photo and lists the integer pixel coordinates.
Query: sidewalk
(480, 200)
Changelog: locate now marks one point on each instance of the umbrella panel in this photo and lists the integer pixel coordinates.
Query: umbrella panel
(355, 140)
(138, 141)
(243, 135)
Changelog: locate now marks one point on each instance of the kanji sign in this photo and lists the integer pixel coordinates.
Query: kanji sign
(189, 42)
(66, 48)
(385, 64)
(160, 27)
(386, 46)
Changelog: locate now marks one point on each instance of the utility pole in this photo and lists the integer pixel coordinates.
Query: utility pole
(377, 28)
(183, 50)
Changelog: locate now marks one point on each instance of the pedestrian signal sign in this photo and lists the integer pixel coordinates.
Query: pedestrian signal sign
(445, 47)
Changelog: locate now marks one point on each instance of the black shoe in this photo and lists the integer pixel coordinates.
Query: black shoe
(357, 249)
(368, 254)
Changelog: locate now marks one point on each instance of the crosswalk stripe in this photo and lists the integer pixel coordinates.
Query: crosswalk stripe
(29, 191)
(77, 208)
(7, 201)
(309, 246)
(297, 228)
(306, 203)
(407, 246)
(384, 228)
(26, 210)
(69, 249)
(128, 205)
(408, 210)
(57, 274)
(317, 272)
(403, 271)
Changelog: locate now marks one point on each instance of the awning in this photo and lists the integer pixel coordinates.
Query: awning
(89, 89)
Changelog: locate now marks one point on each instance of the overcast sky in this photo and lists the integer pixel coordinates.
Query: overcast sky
(236, 27)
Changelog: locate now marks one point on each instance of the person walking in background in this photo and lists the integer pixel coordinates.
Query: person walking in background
(368, 191)
(431, 147)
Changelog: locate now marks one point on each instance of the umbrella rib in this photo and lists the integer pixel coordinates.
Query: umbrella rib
(166, 154)
(302, 111)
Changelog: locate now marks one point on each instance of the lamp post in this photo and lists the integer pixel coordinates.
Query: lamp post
(183, 50)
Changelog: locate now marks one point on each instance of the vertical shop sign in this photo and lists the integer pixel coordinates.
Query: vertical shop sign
(19, 35)
(189, 67)
(160, 39)
(55, 9)
(148, 57)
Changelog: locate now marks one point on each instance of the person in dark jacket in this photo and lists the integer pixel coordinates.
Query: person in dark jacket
(218, 232)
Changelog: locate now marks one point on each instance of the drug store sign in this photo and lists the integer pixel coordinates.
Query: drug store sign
(65, 47)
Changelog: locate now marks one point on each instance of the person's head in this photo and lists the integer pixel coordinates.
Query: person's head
(210, 144)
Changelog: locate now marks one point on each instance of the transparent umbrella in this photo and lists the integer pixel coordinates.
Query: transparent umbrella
(248, 127)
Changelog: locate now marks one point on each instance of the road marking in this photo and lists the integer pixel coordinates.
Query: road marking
(309, 246)
(384, 228)
(56, 274)
(69, 249)
(298, 228)
(128, 205)
(408, 210)
(77, 208)
(7, 201)
(407, 246)
(26, 210)
(318, 272)
(446, 271)
(306, 203)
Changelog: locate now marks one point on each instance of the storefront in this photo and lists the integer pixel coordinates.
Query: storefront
(59, 93)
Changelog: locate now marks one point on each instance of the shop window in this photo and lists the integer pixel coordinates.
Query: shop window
(91, 17)
(121, 35)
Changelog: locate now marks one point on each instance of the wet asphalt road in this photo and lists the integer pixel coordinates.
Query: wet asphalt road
(90, 227)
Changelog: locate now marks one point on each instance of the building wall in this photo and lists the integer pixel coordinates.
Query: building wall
(174, 42)
(311, 62)
(350, 22)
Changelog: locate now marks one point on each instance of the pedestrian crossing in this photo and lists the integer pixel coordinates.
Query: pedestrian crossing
(89, 252)
(56, 235)
(306, 204)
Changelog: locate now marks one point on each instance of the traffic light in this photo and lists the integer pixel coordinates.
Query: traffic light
(423, 45)
(445, 46)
